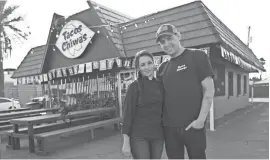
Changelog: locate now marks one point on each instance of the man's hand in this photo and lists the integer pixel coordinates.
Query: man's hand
(197, 124)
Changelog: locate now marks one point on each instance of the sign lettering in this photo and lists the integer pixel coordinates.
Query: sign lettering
(74, 38)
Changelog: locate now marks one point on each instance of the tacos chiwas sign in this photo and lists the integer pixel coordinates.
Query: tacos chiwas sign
(74, 38)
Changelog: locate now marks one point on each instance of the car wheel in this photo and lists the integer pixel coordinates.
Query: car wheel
(10, 107)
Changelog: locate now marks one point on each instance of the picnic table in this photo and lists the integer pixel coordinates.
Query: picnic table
(15, 110)
(28, 112)
(31, 121)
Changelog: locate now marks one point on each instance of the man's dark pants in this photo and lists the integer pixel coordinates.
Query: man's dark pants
(193, 139)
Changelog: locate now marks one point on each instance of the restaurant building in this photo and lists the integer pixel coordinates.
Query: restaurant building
(89, 56)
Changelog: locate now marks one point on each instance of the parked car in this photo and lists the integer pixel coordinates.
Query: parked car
(7, 103)
(36, 103)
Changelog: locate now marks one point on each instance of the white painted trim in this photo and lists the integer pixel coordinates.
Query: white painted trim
(119, 94)
(212, 117)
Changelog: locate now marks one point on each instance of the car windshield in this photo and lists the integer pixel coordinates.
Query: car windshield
(35, 100)
(4, 100)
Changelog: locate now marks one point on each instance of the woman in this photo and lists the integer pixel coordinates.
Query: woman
(142, 130)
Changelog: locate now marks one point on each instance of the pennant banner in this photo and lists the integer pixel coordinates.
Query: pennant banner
(206, 50)
(102, 66)
(81, 68)
(54, 72)
(23, 80)
(45, 77)
(75, 69)
(110, 63)
(64, 71)
(157, 60)
(41, 78)
(70, 71)
(19, 81)
(96, 65)
(88, 67)
(32, 79)
(119, 62)
(165, 58)
(127, 63)
(50, 76)
(133, 63)
(28, 80)
(58, 73)
(36, 79)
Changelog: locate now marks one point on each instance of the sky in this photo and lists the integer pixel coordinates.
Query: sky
(235, 14)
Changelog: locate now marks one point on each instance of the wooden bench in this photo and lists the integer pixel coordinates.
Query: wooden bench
(46, 128)
(5, 122)
(14, 110)
(44, 139)
(19, 116)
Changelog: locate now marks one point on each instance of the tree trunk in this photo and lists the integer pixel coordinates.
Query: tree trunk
(2, 93)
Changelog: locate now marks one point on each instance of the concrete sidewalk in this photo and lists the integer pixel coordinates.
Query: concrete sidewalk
(266, 100)
(243, 134)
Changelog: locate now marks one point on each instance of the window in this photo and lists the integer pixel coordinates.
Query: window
(245, 84)
(238, 84)
(230, 81)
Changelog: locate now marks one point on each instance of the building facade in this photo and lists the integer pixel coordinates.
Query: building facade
(91, 54)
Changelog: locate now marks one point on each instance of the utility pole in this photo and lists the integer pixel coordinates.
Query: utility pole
(249, 27)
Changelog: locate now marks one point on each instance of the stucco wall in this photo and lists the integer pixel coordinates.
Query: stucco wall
(227, 104)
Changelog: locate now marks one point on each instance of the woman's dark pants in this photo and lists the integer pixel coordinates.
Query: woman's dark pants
(146, 148)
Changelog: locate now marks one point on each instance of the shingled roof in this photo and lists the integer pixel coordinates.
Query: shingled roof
(197, 24)
(198, 27)
(31, 64)
(111, 17)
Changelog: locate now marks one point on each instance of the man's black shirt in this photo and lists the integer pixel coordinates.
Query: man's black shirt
(181, 77)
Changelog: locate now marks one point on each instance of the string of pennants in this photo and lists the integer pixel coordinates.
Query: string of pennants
(102, 65)
(229, 56)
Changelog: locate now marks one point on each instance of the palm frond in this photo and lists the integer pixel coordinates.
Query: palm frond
(24, 36)
(18, 19)
(19, 36)
(13, 28)
(8, 11)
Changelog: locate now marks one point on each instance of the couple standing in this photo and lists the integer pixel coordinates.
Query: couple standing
(171, 108)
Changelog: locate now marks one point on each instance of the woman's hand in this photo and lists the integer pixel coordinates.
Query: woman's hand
(126, 146)
(126, 150)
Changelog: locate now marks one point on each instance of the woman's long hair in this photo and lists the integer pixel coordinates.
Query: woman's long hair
(140, 76)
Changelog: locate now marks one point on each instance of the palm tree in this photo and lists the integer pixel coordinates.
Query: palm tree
(9, 33)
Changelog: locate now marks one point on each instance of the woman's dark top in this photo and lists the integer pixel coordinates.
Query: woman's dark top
(143, 114)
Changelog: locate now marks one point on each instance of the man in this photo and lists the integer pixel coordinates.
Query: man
(189, 91)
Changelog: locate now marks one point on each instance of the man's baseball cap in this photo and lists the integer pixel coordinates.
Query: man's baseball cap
(165, 29)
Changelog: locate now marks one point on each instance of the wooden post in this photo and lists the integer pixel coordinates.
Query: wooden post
(58, 82)
(119, 94)
(212, 117)
(252, 93)
(97, 86)
(50, 94)
(31, 139)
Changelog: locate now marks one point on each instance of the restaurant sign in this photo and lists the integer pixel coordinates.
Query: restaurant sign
(231, 57)
(74, 38)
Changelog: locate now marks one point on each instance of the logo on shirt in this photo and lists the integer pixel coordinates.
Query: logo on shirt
(181, 68)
